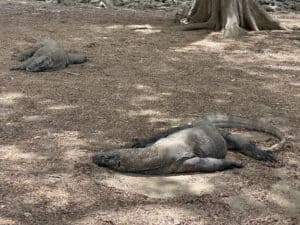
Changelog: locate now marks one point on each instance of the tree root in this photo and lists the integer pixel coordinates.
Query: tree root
(234, 17)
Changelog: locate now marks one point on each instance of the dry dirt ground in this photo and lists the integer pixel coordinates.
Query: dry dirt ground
(137, 82)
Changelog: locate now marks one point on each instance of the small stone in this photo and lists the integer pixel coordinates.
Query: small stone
(27, 214)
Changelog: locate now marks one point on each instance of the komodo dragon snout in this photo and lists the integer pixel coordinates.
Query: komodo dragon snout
(111, 160)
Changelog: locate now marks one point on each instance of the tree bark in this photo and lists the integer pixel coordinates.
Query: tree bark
(235, 17)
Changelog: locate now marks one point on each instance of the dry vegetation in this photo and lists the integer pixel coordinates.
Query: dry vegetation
(136, 82)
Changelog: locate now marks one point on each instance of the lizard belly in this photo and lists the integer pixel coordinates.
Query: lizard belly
(149, 160)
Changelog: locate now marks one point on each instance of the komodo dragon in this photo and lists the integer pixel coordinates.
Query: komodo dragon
(47, 55)
(197, 147)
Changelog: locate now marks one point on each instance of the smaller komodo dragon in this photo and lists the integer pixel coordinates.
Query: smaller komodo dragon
(47, 55)
(197, 147)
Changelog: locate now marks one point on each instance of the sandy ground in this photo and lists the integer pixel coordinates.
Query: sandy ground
(137, 82)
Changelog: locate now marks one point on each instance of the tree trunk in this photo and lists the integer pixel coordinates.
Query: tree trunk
(232, 16)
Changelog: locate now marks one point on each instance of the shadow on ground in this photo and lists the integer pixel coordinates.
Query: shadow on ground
(139, 80)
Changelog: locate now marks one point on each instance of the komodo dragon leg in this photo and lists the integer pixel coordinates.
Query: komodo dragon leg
(27, 54)
(206, 165)
(23, 65)
(34, 64)
(239, 144)
(141, 143)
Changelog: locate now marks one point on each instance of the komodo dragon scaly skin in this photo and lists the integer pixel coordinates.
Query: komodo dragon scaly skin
(198, 147)
(47, 55)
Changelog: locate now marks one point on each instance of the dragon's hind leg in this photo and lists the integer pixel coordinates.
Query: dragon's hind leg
(34, 64)
(206, 165)
(27, 54)
(239, 144)
(23, 65)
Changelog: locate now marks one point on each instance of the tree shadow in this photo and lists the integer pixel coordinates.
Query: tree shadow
(51, 123)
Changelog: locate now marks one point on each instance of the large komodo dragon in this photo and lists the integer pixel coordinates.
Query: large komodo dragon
(47, 55)
(197, 147)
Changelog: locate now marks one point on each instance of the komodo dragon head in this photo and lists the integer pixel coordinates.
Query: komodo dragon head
(107, 159)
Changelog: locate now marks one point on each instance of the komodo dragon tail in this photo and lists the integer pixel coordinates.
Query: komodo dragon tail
(226, 121)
